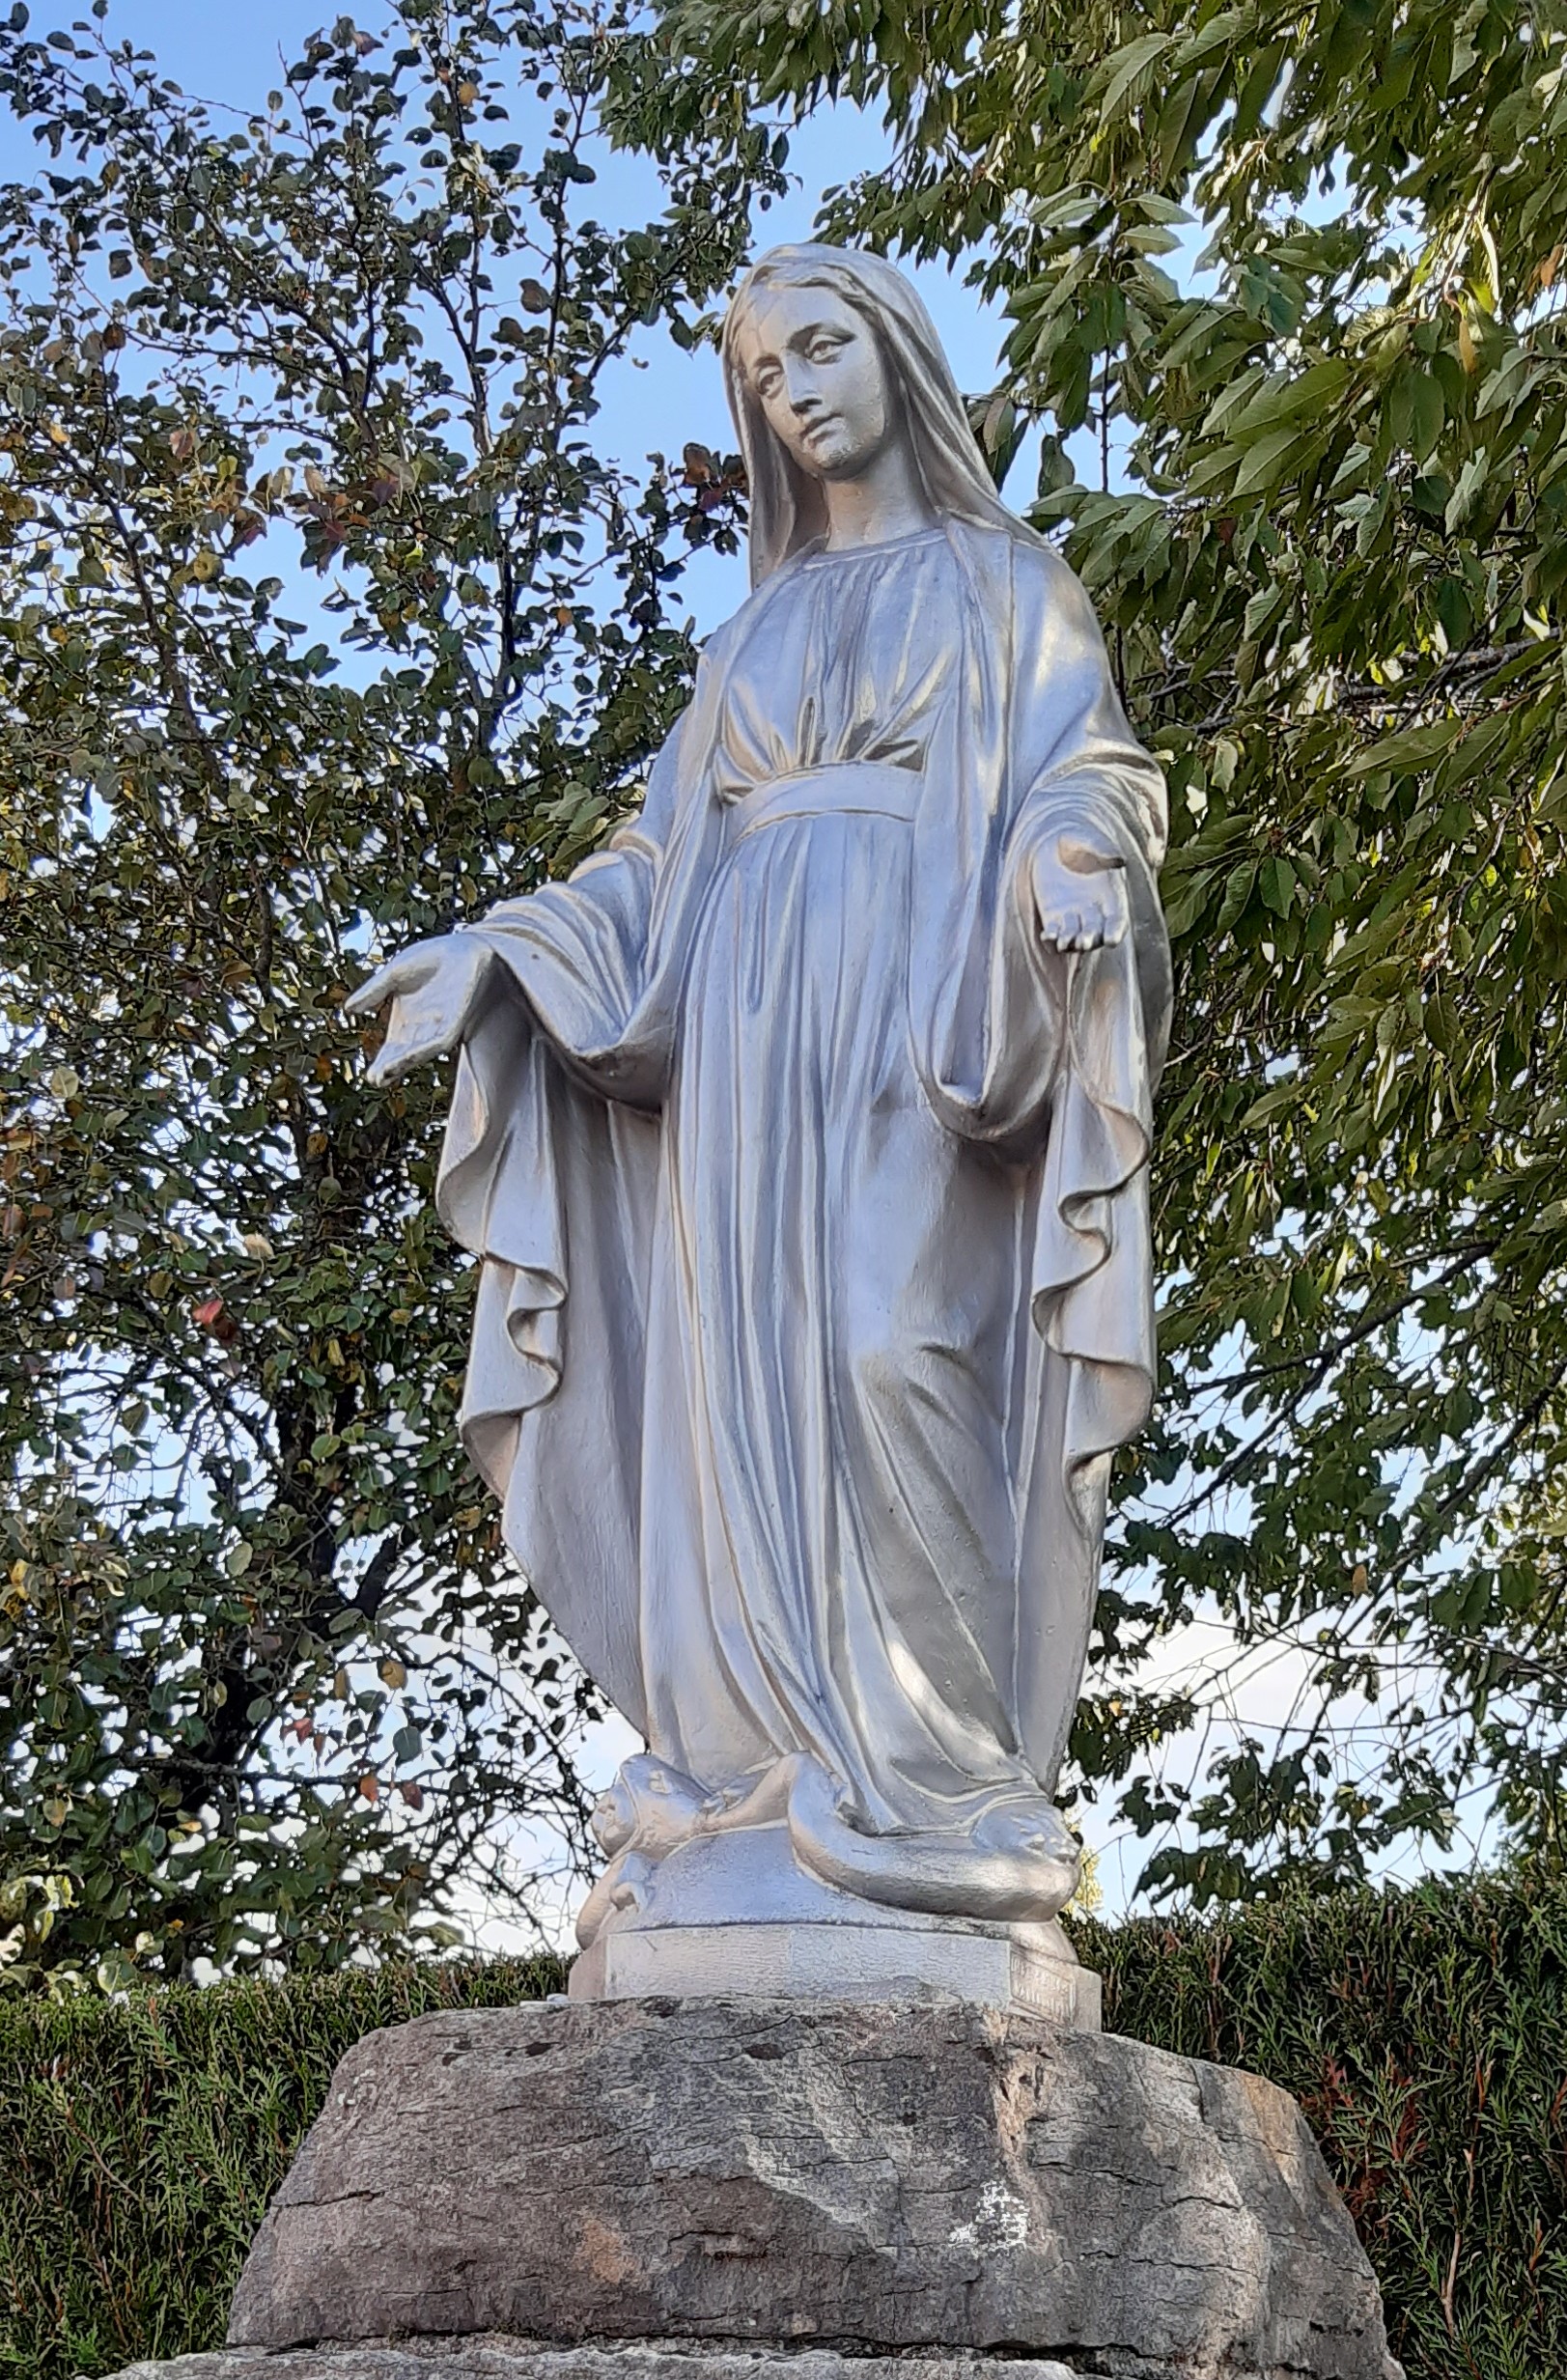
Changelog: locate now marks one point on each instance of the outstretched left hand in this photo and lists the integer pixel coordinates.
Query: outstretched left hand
(1079, 893)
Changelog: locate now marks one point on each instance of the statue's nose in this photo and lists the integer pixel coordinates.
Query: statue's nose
(804, 397)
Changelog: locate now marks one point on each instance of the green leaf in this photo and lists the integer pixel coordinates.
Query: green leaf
(1126, 67)
(1276, 883)
(1238, 891)
(1413, 748)
(1260, 466)
(1465, 493)
(1309, 393)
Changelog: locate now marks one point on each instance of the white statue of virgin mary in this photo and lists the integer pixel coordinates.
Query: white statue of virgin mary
(803, 1138)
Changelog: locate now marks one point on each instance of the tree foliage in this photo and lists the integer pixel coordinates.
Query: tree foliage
(323, 620)
(1319, 491)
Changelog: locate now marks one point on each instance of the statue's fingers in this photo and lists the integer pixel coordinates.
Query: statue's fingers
(415, 1042)
(373, 994)
(1067, 930)
(404, 973)
(374, 990)
(386, 1066)
(400, 1052)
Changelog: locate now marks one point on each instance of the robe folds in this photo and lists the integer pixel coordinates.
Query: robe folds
(810, 1191)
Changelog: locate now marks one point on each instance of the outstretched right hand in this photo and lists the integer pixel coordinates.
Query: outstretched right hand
(434, 988)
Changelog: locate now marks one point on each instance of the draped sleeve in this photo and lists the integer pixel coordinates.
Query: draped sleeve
(1106, 1016)
(547, 1175)
(1048, 1058)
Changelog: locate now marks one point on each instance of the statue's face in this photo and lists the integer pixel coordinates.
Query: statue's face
(818, 373)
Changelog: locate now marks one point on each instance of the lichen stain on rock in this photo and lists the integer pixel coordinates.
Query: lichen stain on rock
(604, 2254)
(1000, 2222)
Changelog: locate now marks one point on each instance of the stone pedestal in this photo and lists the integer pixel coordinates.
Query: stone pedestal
(686, 2190)
(1023, 1969)
(675, 1931)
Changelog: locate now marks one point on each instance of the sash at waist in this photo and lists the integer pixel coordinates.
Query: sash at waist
(870, 788)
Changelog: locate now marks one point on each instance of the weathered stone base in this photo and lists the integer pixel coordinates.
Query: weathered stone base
(722, 2176)
(496, 2358)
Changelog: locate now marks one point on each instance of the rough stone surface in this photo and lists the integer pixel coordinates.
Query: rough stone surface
(494, 2358)
(864, 2177)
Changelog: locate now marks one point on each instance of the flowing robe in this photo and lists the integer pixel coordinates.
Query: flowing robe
(811, 1195)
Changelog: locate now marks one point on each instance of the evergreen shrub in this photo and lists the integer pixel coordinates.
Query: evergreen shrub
(141, 2139)
(1424, 2032)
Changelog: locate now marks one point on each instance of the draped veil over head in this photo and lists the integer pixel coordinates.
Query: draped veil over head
(787, 505)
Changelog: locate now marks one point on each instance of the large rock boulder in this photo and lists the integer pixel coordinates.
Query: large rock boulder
(717, 2173)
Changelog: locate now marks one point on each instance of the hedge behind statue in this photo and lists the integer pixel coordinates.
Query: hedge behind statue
(1425, 2034)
